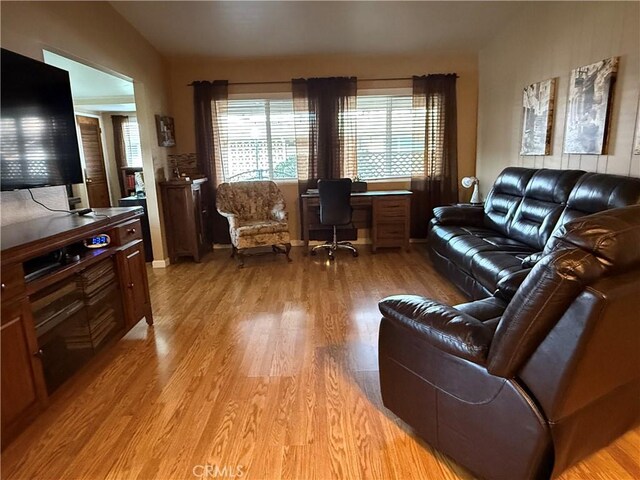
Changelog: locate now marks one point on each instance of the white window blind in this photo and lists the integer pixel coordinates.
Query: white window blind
(390, 136)
(131, 136)
(260, 140)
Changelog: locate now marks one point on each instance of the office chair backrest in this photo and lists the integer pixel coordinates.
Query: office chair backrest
(335, 201)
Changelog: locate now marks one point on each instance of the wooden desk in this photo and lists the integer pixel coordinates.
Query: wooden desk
(387, 212)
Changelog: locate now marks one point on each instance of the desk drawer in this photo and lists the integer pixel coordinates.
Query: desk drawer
(12, 281)
(128, 232)
(391, 209)
(391, 231)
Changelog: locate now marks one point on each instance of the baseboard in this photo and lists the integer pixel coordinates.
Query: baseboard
(161, 263)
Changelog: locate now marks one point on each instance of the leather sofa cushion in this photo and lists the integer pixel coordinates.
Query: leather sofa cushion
(441, 235)
(462, 250)
(508, 285)
(504, 198)
(596, 192)
(488, 310)
(612, 236)
(544, 199)
(489, 268)
(443, 326)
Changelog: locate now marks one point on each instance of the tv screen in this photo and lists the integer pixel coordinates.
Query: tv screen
(38, 142)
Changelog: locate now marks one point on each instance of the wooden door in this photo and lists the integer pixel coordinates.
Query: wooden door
(22, 379)
(96, 176)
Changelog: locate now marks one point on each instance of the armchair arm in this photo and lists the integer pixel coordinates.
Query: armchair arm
(445, 327)
(459, 215)
(231, 218)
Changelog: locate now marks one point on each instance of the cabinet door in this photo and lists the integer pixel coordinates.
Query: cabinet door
(198, 216)
(133, 277)
(23, 389)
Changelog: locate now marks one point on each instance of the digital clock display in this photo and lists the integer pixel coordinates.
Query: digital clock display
(98, 241)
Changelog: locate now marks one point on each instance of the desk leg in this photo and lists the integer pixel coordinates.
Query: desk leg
(305, 225)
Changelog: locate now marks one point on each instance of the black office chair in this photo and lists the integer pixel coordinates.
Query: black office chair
(335, 210)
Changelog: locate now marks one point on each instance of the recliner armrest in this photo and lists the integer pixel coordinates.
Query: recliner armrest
(443, 326)
(459, 215)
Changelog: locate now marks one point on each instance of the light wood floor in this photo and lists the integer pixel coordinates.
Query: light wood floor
(269, 372)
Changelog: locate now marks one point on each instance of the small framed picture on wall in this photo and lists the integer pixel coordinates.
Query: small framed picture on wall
(589, 108)
(537, 122)
(636, 144)
(165, 131)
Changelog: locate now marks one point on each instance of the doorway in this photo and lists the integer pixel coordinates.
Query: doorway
(98, 96)
(95, 173)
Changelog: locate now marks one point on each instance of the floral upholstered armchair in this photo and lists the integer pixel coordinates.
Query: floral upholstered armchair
(257, 216)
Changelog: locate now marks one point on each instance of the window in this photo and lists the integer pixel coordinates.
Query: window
(260, 140)
(131, 136)
(390, 136)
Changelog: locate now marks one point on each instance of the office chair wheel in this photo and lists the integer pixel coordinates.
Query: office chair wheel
(355, 254)
(331, 256)
(313, 253)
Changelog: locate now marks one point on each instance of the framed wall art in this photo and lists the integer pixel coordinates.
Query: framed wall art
(636, 144)
(165, 131)
(589, 107)
(538, 100)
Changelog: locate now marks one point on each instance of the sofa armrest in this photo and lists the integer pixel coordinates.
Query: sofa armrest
(508, 286)
(459, 215)
(443, 326)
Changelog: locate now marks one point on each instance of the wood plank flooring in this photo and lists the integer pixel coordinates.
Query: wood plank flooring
(268, 372)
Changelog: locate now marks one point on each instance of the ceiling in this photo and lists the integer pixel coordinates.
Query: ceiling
(253, 29)
(92, 89)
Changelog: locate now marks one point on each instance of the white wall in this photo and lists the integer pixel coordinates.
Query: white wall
(549, 40)
(96, 35)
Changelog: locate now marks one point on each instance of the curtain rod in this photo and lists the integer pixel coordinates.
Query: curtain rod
(289, 81)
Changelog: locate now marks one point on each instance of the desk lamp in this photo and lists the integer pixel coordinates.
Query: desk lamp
(468, 182)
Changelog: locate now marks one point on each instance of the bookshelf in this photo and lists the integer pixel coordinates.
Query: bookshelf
(129, 180)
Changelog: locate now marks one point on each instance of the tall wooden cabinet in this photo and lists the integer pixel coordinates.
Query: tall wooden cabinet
(186, 216)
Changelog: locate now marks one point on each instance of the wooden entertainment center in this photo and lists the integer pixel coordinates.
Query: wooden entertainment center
(56, 315)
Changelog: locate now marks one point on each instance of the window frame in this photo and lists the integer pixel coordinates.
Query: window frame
(125, 137)
(276, 95)
(390, 91)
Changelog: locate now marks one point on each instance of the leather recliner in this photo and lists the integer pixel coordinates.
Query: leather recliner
(523, 384)
(476, 248)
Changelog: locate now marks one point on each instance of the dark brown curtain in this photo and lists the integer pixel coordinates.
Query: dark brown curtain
(208, 97)
(119, 148)
(435, 182)
(325, 124)
(325, 128)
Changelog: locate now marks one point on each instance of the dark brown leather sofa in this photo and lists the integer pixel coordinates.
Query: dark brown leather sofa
(526, 382)
(478, 247)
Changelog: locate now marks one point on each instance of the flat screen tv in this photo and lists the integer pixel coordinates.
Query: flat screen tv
(38, 140)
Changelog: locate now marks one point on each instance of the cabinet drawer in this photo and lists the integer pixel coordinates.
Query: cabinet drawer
(391, 209)
(391, 231)
(12, 281)
(127, 232)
